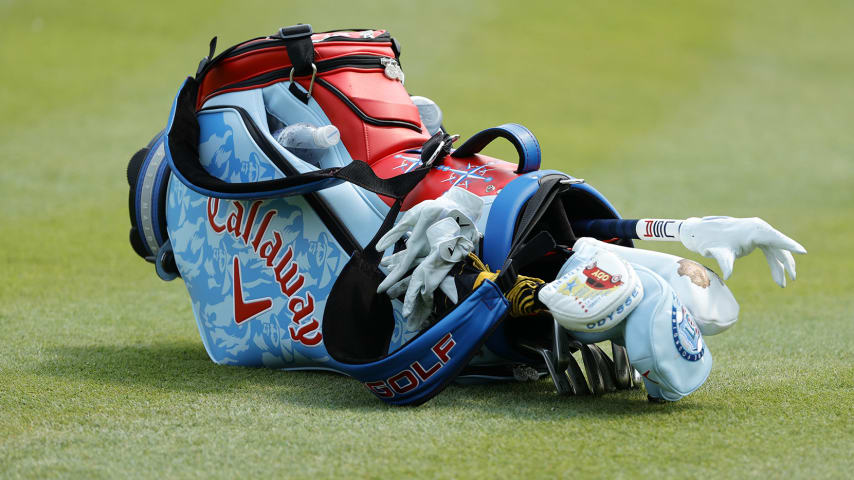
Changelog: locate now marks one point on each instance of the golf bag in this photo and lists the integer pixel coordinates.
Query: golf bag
(278, 253)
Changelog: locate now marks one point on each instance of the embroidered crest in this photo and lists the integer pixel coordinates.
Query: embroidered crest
(686, 334)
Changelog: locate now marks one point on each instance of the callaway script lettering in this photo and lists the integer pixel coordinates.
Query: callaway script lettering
(304, 327)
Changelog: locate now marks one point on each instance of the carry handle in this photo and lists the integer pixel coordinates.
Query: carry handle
(523, 139)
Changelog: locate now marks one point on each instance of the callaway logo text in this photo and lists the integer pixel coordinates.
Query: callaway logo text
(304, 327)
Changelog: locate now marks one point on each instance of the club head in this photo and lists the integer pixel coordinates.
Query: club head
(558, 377)
(637, 379)
(622, 368)
(601, 374)
(594, 376)
(564, 370)
(605, 366)
(576, 378)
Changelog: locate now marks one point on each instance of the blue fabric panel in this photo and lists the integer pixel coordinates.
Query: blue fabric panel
(208, 234)
(283, 253)
(227, 150)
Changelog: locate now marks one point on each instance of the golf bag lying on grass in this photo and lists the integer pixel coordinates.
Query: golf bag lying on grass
(280, 258)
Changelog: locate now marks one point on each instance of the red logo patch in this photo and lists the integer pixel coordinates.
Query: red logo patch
(599, 279)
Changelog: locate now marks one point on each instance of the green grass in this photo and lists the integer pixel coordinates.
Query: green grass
(670, 108)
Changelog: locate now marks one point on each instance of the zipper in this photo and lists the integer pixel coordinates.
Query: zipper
(391, 69)
(352, 61)
(267, 42)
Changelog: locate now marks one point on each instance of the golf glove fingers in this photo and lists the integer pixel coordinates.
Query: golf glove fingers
(416, 220)
(449, 288)
(416, 247)
(399, 288)
(448, 248)
(392, 261)
(459, 205)
(727, 238)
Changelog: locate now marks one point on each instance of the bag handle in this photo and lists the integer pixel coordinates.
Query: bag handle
(523, 139)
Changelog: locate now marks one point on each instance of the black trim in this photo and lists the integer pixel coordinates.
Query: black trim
(134, 166)
(365, 117)
(351, 61)
(233, 50)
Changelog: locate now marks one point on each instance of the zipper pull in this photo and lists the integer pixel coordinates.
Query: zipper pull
(392, 69)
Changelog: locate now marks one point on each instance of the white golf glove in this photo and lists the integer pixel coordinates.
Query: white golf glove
(727, 238)
(457, 203)
(448, 246)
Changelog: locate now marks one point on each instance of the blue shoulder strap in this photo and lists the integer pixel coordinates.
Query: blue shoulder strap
(523, 139)
(423, 367)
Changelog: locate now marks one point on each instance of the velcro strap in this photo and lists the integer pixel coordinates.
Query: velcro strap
(299, 45)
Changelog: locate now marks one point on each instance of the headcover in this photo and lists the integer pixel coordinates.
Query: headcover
(664, 342)
(710, 302)
(595, 290)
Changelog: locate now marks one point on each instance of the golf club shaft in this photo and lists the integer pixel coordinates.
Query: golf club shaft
(657, 229)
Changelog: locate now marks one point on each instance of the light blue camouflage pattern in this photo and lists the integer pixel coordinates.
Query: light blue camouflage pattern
(283, 251)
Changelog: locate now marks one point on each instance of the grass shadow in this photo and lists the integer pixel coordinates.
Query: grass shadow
(183, 366)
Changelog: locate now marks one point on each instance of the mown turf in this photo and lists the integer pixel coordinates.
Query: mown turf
(671, 109)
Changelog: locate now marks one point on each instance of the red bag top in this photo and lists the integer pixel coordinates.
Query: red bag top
(358, 84)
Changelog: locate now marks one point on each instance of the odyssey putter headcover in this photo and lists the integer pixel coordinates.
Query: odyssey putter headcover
(664, 342)
(595, 290)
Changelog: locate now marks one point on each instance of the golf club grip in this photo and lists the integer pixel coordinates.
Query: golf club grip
(666, 230)
(605, 228)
